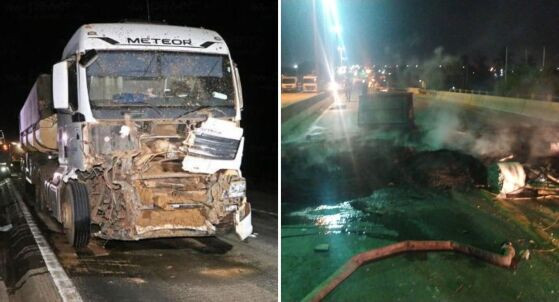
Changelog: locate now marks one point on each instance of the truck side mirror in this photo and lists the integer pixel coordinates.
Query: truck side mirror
(60, 85)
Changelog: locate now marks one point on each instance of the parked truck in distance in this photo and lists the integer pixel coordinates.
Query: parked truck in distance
(289, 84)
(136, 134)
(310, 83)
(5, 157)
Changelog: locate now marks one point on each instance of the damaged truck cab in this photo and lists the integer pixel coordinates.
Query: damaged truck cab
(140, 135)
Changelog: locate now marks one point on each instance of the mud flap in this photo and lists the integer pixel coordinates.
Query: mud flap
(243, 227)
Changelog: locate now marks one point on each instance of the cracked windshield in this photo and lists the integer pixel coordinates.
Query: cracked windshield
(163, 80)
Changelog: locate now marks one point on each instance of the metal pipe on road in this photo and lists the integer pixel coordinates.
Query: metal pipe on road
(356, 261)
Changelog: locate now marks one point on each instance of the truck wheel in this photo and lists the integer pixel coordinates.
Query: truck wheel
(39, 200)
(75, 214)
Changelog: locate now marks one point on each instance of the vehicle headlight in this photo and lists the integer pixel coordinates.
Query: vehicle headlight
(4, 169)
(237, 189)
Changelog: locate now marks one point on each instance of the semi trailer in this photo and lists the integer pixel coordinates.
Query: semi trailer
(136, 134)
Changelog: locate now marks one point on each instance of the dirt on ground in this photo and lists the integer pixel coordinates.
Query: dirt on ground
(357, 168)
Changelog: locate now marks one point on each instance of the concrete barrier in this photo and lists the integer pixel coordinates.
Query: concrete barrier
(299, 115)
(28, 277)
(289, 111)
(548, 111)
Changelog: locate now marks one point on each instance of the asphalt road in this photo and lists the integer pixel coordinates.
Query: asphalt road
(321, 204)
(177, 269)
(206, 269)
(291, 98)
(480, 132)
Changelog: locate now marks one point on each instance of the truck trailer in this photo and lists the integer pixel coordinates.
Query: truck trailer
(136, 134)
(386, 109)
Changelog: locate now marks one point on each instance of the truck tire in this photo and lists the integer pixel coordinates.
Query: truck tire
(39, 200)
(75, 214)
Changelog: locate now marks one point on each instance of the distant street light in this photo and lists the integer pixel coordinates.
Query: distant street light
(295, 66)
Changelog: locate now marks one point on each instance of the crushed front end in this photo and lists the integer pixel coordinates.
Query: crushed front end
(165, 178)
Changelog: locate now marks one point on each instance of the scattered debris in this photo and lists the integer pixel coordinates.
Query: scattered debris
(525, 254)
(323, 247)
(551, 225)
(136, 280)
(446, 169)
(506, 177)
(6, 227)
(506, 158)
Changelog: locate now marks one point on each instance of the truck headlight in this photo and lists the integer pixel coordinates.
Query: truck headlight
(237, 189)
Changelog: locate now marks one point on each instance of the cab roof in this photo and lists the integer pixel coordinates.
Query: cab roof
(144, 36)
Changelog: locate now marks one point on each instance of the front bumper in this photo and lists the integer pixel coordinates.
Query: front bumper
(289, 88)
(243, 225)
(180, 222)
(310, 88)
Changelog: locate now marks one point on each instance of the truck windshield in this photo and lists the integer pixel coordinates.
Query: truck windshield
(309, 81)
(161, 79)
(288, 81)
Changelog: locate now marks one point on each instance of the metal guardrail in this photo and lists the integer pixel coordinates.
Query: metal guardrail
(535, 97)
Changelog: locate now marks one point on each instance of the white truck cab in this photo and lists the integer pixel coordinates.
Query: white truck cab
(148, 143)
(310, 83)
(289, 84)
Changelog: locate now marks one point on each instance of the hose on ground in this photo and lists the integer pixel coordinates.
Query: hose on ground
(323, 289)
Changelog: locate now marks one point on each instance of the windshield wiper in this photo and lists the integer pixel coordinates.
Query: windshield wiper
(187, 112)
(150, 106)
(135, 105)
(154, 108)
(149, 65)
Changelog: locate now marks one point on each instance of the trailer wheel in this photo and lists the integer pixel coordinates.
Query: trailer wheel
(75, 214)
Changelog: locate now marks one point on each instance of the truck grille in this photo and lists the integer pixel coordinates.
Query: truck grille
(214, 147)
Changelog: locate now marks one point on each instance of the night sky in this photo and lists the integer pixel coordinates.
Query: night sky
(34, 34)
(400, 32)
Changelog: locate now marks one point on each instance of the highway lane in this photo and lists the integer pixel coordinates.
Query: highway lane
(480, 132)
(291, 98)
(177, 269)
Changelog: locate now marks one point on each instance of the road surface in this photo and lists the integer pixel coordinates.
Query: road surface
(341, 187)
(176, 269)
(291, 98)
